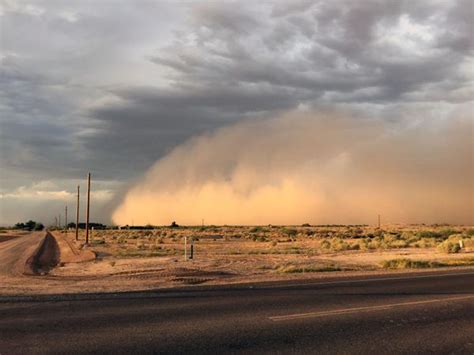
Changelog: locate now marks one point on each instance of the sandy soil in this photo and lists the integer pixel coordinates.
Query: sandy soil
(141, 260)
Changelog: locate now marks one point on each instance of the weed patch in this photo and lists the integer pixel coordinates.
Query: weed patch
(422, 264)
(299, 269)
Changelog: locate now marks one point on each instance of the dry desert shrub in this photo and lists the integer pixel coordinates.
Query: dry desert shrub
(141, 245)
(424, 243)
(451, 245)
(122, 240)
(407, 264)
(292, 269)
(336, 244)
(290, 232)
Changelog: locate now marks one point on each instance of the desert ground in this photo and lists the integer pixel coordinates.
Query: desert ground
(142, 259)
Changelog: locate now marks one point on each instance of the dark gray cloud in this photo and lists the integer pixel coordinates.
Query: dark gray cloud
(113, 86)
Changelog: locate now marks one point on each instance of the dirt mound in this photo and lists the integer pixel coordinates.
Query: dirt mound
(45, 257)
(71, 252)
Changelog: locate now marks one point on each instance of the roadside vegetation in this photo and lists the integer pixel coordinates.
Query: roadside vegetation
(294, 249)
(447, 240)
(423, 264)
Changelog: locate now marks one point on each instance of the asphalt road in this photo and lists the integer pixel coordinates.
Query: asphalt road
(417, 313)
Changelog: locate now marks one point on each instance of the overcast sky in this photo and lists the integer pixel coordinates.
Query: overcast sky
(112, 86)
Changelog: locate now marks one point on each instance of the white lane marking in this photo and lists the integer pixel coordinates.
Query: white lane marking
(363, 309)
(372, 280)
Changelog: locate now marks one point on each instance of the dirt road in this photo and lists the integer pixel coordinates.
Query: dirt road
(15, 251)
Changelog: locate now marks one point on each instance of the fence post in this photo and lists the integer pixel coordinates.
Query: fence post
(185, 248)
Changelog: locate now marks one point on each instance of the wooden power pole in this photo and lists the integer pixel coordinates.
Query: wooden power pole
(379, 221)
(77, 214)
(65, 217)
(88, 206)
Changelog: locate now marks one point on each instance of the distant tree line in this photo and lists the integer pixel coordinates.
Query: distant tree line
(148, 226)
(91, 225)
(30, 226)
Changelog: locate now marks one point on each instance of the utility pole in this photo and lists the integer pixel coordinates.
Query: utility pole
(56, 221)
(88, 206)
(65, 217)
(379, 221)
(77, 214)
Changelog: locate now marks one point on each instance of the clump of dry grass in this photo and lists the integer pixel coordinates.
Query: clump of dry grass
(338, 244)
(292, 269)
(259, 238)
(405, 263)
(122, 240)
(451, 245)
